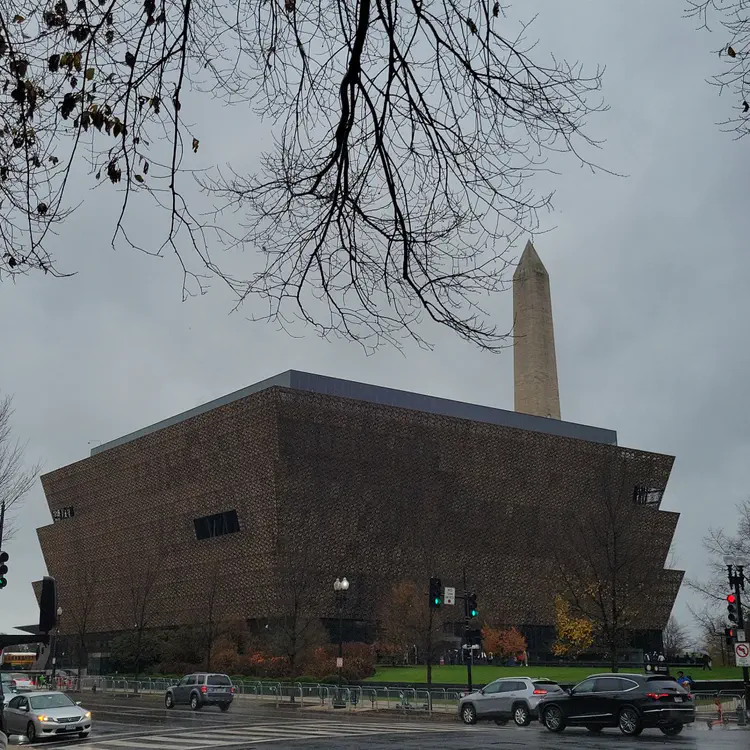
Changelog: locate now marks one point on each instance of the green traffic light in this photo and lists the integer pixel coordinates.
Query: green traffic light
(437, 600)
(474, 613)
(3, 583)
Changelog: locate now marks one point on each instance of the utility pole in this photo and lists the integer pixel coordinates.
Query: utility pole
(736, 576)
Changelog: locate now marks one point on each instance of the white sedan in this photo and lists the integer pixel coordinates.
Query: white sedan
(46, 714)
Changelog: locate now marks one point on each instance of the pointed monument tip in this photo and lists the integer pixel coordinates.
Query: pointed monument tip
(529, 260)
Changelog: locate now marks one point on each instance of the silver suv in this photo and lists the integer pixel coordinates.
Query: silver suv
(201, 689)
(508, 698)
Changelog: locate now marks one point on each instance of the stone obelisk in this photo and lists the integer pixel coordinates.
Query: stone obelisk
(534, 361)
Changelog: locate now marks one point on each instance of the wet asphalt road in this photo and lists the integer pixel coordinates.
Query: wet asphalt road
(144, 724)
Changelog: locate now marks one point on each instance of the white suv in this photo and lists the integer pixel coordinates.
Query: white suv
(508, 698)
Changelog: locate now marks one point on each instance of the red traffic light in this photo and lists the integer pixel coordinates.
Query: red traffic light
(731, 598)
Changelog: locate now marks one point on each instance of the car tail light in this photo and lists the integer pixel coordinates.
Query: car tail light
(203, 688)
(234, 689)
(689, 696)
(657, 696)
(540, 692)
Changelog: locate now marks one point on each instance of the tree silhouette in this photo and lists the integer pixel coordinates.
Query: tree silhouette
(405, 135)
(16, 479)
(732, 20)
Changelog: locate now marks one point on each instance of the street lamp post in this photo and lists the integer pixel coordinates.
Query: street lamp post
(340, 587)
(54, 648)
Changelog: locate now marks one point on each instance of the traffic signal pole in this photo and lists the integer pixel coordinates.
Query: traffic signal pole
(470, 658)
(737, 581)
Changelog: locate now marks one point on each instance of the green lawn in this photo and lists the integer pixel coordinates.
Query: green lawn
(484, 674)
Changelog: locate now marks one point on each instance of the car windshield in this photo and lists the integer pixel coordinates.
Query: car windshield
(218, 679)
(53, 700)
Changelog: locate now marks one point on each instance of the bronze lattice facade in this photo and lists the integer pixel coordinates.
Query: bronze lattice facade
(343, 479)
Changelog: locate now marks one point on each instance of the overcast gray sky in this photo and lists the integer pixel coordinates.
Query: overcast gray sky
(649, 281)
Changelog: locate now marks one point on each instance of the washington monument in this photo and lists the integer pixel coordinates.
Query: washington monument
(534, 361)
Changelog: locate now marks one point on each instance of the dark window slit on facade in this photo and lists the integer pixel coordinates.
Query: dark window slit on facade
(647, 496)
(219, 524)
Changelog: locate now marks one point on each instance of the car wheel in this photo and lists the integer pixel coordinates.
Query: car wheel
(553, 719)
(31, 731)
(501, 722)
(629, 722)
(672, 731)
(595, 730)
(469, 714)
(195, 702)
(521, 715)
(169, 700)
(224, 706)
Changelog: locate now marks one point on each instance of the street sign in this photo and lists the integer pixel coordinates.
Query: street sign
(742, 654)
(450, 595)
(339, 662)
(741, 636)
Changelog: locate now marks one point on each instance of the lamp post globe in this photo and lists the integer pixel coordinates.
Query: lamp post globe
(340, 587)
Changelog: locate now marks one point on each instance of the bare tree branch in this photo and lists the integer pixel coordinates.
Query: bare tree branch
(406, 135)
(731, 18)
(16, 480)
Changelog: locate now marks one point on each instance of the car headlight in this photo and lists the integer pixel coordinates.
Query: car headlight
(42, 717)
(87, 715)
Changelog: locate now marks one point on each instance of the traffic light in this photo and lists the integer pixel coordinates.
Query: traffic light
(436, 593)
(732, 607)
(471, 605)
(3, 569)
(729, 634)
(48, 605)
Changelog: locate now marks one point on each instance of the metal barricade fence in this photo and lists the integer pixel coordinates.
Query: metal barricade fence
(356, 698)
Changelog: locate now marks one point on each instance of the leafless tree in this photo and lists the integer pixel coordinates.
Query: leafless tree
(144, 574)
(16, 479)
(713, 639)
(676, 639)
(406, 620)
(81, 602)
(731, 20)
(718, 543)
(608, 578)
(296, 630)
(213, 620)
(405, 136)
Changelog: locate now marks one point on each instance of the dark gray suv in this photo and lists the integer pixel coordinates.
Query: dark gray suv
(201, 689)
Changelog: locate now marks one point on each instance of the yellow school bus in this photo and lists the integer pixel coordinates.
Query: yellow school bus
(17, 659)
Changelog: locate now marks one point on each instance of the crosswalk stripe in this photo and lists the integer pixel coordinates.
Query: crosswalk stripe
(147, 744)
(179, 739)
